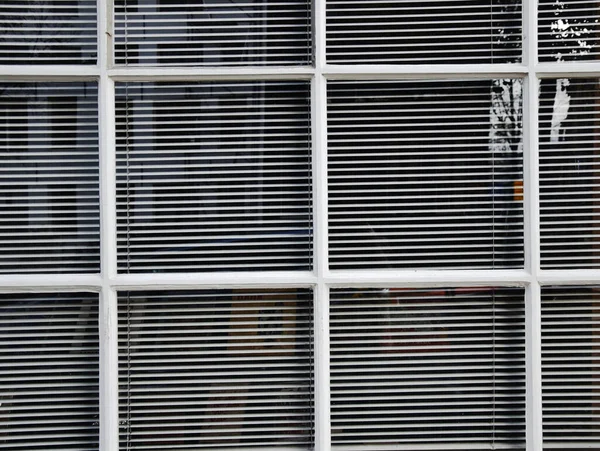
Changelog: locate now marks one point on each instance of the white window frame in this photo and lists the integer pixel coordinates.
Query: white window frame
(321, 279)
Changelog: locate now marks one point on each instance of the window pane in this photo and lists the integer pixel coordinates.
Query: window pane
(428, 368)
(568, 30)
(48, 32)
(213, 32)
(424, 32)
(425, 174)
(49, 371)
(569, 174)
(570, 383)
(213, 176)
(49, 205)
(220, 368)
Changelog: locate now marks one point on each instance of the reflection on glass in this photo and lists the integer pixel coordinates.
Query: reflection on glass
(425, 174)
(215, 368)
(49, 369)
(49, 205)
(213, 176)
(435, 368)
(212, 32)
(569, 176)
(568, 30)
(570, 361)
(48, 32)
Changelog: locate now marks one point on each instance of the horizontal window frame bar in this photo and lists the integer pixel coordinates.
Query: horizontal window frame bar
(208, 280)
(24, 73)
(41, 283)
(42, 72)
(552, 277)
(292, 279)
(296, 279)
(427, 278)
(567, 70)
(213, 73)
(423, 71)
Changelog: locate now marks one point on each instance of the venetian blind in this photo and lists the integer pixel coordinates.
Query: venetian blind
(49, 371)
(428, 368)
(215, 368)
(570, 384)
(215, 33)
(423, 32)
(213, 176)
(568, 30)
(48, 32)
(425, 174)
(569, 184)
(49, 204)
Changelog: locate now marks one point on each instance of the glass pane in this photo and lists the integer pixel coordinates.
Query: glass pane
(568, 30)
(569, 173)
(213, 176)
(49, 371)
(570, 361)
(213, 32)
(425, 174)
(428, 368)
(48, 32)
(215, 369)
(430, 32)
(49, 203)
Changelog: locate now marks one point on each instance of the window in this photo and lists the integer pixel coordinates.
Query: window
(335, 225)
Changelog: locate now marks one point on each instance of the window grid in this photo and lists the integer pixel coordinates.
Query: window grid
(321, 278)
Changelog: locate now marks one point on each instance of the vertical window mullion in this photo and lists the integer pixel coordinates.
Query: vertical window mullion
(320, 243)
(319, 142)
(319, 29)
(533, 351)
(321, 369)
(109, 408)
(531, 206)
(109, 378)
(321, 305)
